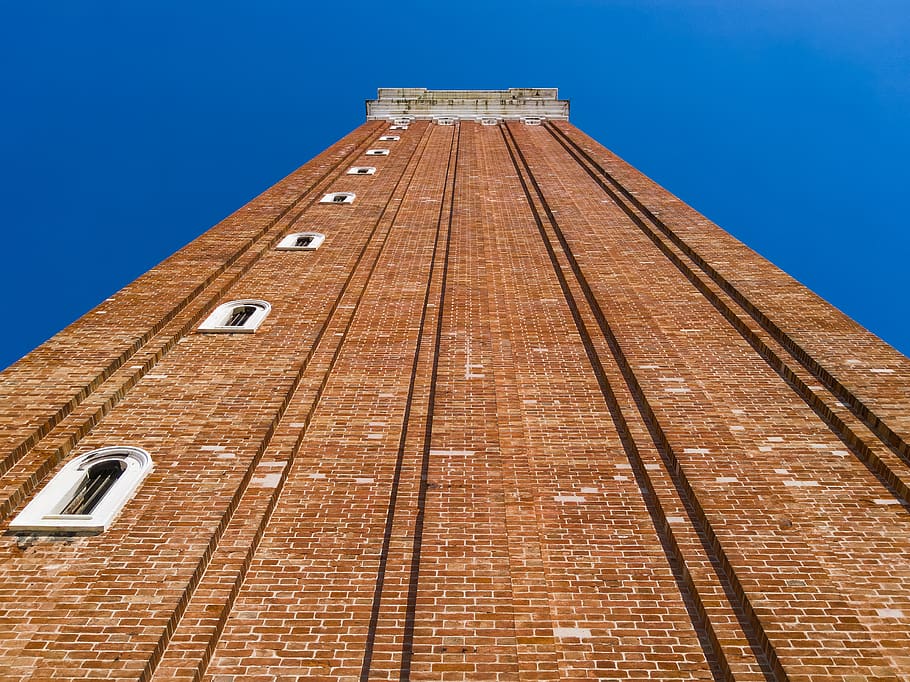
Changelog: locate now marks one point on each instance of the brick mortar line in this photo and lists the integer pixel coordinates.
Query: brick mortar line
(876, 459)
(709, 569)
(375, 611)
(271, 504)
(230, 512)
(888, 436)
(676, 466)
(527, 669)
(108, 372)
(676, 561)
(72, 434)
(407, 645)
(712, 547)
(449, 302)
(888, 478)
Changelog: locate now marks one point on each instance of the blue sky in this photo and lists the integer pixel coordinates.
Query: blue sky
(127, 128)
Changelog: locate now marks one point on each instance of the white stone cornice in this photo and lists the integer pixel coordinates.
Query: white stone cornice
(511, 104)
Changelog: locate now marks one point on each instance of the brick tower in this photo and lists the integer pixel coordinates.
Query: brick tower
(464, 397)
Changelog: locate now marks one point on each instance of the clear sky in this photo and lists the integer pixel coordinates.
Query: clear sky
(128, 128)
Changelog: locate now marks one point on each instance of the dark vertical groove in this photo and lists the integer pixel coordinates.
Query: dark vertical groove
(761, 649)
(407, 645)
(273, 501)
(399, 461)
(888, 436)
(78, 431)
(887, 478)
(234, 503)
(88, 389)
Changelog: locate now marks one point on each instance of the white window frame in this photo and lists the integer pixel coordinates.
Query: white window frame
(532, 120)
(43, 512)
(398, 127)
(377, 152)
(389, 138)
(488, 120)
(289, 243)
(217, 321)
(402, 121)
(330, 198)
(445, 120)
(362, 170)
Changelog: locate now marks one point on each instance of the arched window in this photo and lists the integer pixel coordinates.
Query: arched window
(237, 316)
(377, 152)
(87, 493)
(361, 170)
(301, 241)
(338, 198)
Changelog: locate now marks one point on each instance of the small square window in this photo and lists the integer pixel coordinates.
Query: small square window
(301, 241)
(338, 198)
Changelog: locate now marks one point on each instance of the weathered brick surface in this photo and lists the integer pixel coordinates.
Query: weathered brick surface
(524, 415)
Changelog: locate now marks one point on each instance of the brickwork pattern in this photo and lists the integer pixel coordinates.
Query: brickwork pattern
(523, 416)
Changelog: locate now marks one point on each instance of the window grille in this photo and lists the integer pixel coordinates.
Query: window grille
(97, 483)
(240, 315)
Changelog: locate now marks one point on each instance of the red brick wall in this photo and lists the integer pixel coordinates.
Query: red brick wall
(524, 415)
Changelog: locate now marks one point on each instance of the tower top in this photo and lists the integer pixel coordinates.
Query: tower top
(514, 103)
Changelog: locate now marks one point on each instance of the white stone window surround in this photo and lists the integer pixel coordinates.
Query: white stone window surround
(398, 127)
(338, 198)
(289, 243)
(389, 138)
(532, 120)
(362, 170)
(445, 120)
(377, 152)
(43, 512)
(489, 121)
(218, 320)
(402, 120)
